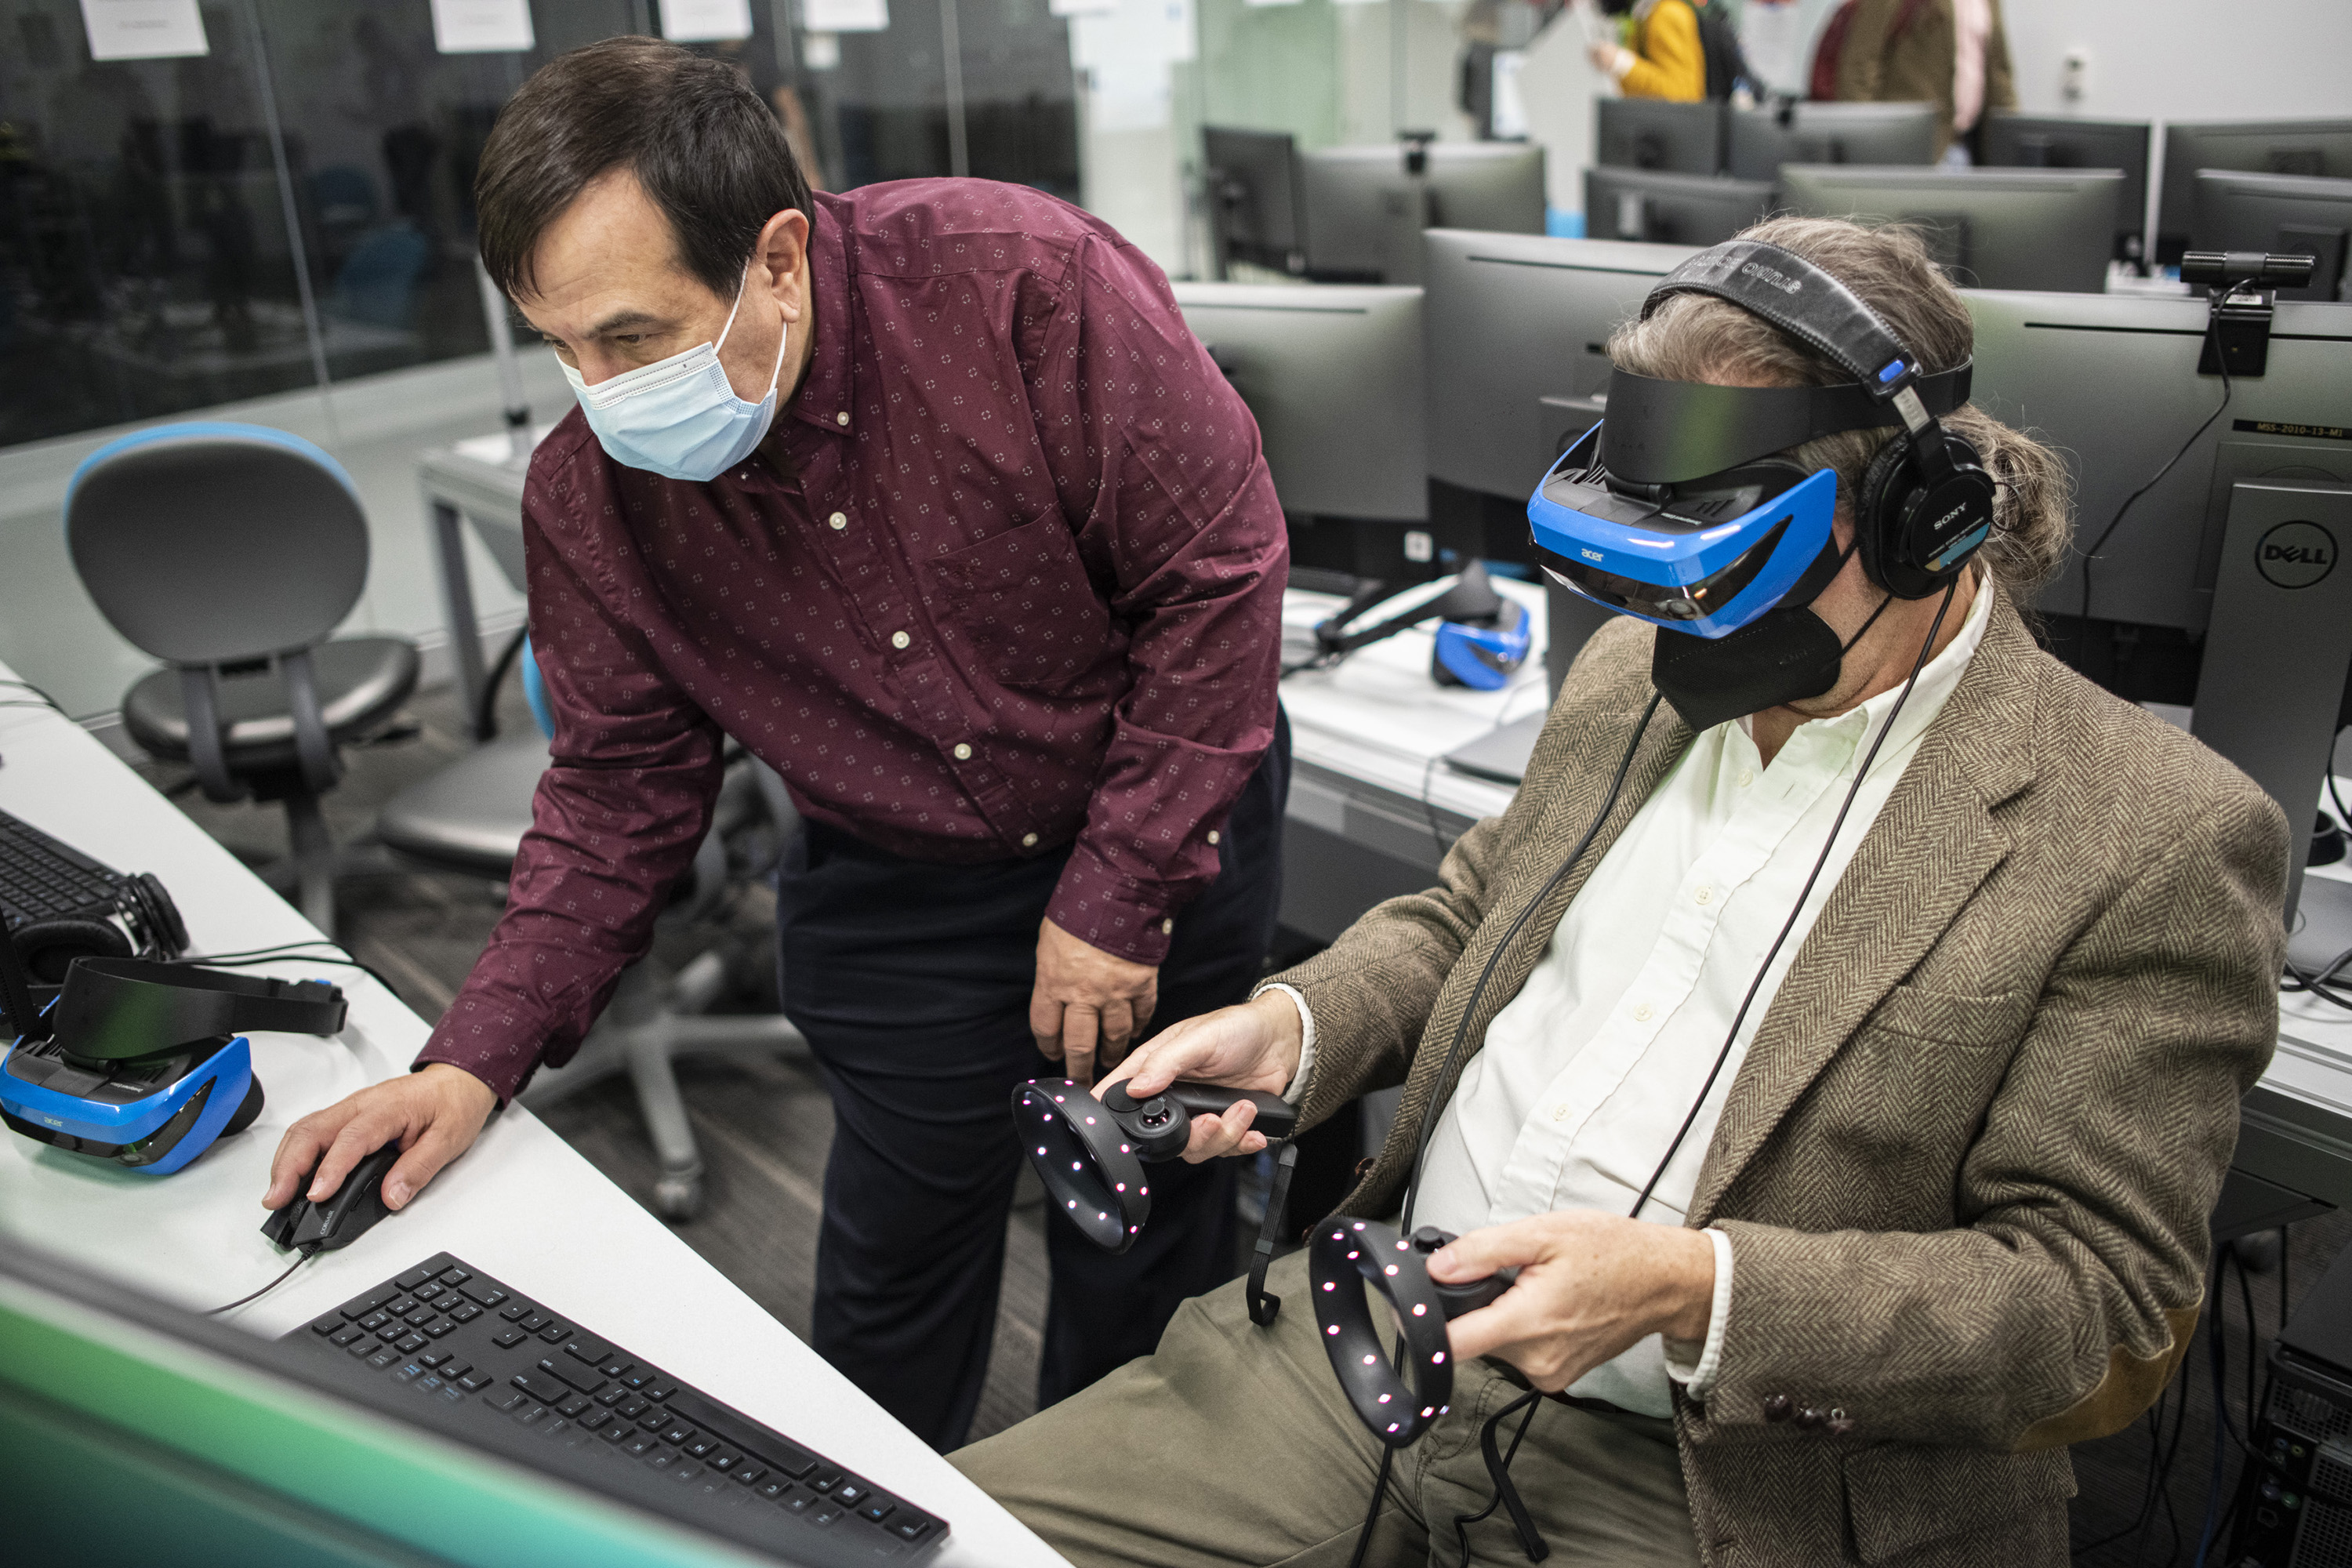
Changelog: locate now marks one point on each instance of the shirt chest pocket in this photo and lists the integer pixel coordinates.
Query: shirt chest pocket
(1022, 605)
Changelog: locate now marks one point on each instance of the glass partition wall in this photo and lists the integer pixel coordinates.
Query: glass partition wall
(287, 204)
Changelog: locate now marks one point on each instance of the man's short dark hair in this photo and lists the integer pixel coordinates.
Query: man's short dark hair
(706, 150)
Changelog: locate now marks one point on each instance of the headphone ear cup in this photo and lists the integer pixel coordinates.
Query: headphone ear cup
(1876, 509)
(166, 932)
(1939, 524)
(47, 948)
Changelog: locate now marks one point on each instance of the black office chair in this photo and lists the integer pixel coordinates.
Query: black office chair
(470, 818)
(229, 552)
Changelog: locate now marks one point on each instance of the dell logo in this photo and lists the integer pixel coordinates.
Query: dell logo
(2295, 554)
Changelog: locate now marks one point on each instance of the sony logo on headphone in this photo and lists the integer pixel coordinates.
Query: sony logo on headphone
(1945, 521)
(1777, 279)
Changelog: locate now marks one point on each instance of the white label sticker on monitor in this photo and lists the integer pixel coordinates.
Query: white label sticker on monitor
(845, 15)
(706, 21)
(482, 26)
(143, 29)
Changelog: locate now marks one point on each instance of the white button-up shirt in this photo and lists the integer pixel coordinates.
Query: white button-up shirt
(1589, 1072)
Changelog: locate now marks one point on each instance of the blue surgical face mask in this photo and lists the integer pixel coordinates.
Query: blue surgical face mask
(680, 417)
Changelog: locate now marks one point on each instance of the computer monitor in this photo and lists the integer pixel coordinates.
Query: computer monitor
(138, 1432)
(1511, 320)
(1670, 209)
(2036, 142)
(2289, 215)
(2111, 382)
(1650, 134)
(2257, 146)
(1366, 206)
(1333, 373)
(1991, 228)
(1758, 140)
(1254, 203)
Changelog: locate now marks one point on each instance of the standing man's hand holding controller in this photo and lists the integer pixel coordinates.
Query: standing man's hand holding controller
(1254, 1046)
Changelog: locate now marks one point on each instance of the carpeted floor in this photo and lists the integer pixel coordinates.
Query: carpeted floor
(765, 1130)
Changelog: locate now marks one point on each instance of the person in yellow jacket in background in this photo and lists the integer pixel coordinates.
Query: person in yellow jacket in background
(1661, 56)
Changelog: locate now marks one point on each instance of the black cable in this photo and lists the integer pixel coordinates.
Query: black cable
(2334, 792)
(246, 957)
(307, 1254)
(2083, 630)
(1926, 646)
(1372, 1514)
(45, 700)
(485, 710)
(1500, 1471)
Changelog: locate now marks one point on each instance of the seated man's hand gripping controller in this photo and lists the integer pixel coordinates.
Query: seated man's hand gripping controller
(1089, 1152)
(1347, 1254)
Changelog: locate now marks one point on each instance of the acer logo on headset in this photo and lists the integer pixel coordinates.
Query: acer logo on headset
(1772, 278)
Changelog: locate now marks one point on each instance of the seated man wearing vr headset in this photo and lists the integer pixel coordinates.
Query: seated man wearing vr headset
(1841, 1035)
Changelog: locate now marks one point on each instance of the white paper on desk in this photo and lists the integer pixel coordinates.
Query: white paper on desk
(482, 26)
(143, 29)
(705, 21)
(845, 15)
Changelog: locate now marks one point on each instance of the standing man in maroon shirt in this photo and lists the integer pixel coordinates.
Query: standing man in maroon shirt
(924, 495)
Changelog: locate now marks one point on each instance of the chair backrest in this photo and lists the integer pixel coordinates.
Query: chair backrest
(206, 543)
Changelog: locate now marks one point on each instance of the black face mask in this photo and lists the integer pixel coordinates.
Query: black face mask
(1782, 655)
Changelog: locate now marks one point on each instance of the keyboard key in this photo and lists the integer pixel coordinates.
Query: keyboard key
(401, 1308)
(455, 1396)
(515, 1312)
(431, 1383)
(617, 1433)
(724, 1460)
(483, 1295)
(414, 1277)
(426, 1291)
(773, 1490)
(504, 1399)
(436, 1328)
(641, 1377)
(329, 1324)
(677, 1432)
(509, 1340)
(532, 1321)
(453, 1277)
(409, 1371)
(614, 1395)
(368, 1348)
(824, 1480)
(595, 1419)
(685, 1470)
(432, 1358)
(395, 1329)
(474, 1382)
(409, 1344)
(634, 1405)
(823, 1513)
(451, 1367)
(591, 1351)
(541, 1387)
(367, 1302)
(376, 1320)
(749, 1474)
(878, 1508)
(554, 1425)
(653, 1419)
(641, 1444)
(797, 1500)
(613, 1366)
(583, 1378)
(849, 1494)
(555, 1334)
(659, 1391)
(573, 1406)
(531, 1414)
(420, 1317)
(911, 1528)
(379, 1361)
(465, 1311)
(346, 1334)
(661, 1458)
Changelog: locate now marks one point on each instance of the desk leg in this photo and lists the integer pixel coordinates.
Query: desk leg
(457, 605)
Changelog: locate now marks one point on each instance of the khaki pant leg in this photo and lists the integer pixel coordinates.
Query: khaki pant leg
(1601, 1489)
(1231, 1445)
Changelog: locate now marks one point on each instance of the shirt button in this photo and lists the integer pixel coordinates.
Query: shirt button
(1747, 777)
(1166, 927)
(1643, 1013)
(840, 522)
(962, 752)
(1703, 896)
(842, 418)
(1560, 1113)
(1028, 841)
(899, 639)
(1213, 835)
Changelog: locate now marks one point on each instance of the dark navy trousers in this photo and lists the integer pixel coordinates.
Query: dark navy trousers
(912, 983)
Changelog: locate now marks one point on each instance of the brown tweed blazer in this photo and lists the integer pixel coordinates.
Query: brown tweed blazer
(1967, 1166)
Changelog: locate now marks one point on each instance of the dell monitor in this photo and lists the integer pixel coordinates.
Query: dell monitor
(1670, 209)
(2214, 589)
(1366, 206)
(1333, 375)
(2322, 147)
(2288, 215)
(1991, 228)
(2034, 141)
(1758, 140)
(1667, 138)
(1253, 198)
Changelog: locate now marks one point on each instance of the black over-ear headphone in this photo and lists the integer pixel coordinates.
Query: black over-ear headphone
(1926, 505)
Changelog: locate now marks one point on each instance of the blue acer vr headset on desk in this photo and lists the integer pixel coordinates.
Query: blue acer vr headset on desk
(145, 1064)
(1678, 510)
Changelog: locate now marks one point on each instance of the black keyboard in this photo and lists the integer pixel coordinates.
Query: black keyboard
(489, 1368)
(41, 878)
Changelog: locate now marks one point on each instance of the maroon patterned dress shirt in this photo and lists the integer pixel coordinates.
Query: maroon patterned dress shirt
(1006, 579)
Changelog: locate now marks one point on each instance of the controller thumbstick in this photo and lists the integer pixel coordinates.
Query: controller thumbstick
(1428, 1238)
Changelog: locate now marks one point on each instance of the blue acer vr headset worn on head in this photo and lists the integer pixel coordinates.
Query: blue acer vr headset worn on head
(1677, 508)
(146, 1065)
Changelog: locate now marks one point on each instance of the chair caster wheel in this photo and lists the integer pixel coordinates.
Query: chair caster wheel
(678, 1198)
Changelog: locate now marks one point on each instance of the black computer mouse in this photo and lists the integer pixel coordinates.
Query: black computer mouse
(343, 1216)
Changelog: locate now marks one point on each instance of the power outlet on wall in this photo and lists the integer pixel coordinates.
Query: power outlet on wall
(2074, 74)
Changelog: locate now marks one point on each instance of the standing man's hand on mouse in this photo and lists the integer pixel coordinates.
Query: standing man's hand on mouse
(434, 1115)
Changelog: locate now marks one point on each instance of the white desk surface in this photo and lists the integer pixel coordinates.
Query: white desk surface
(1377, 716)
(520, 1203)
